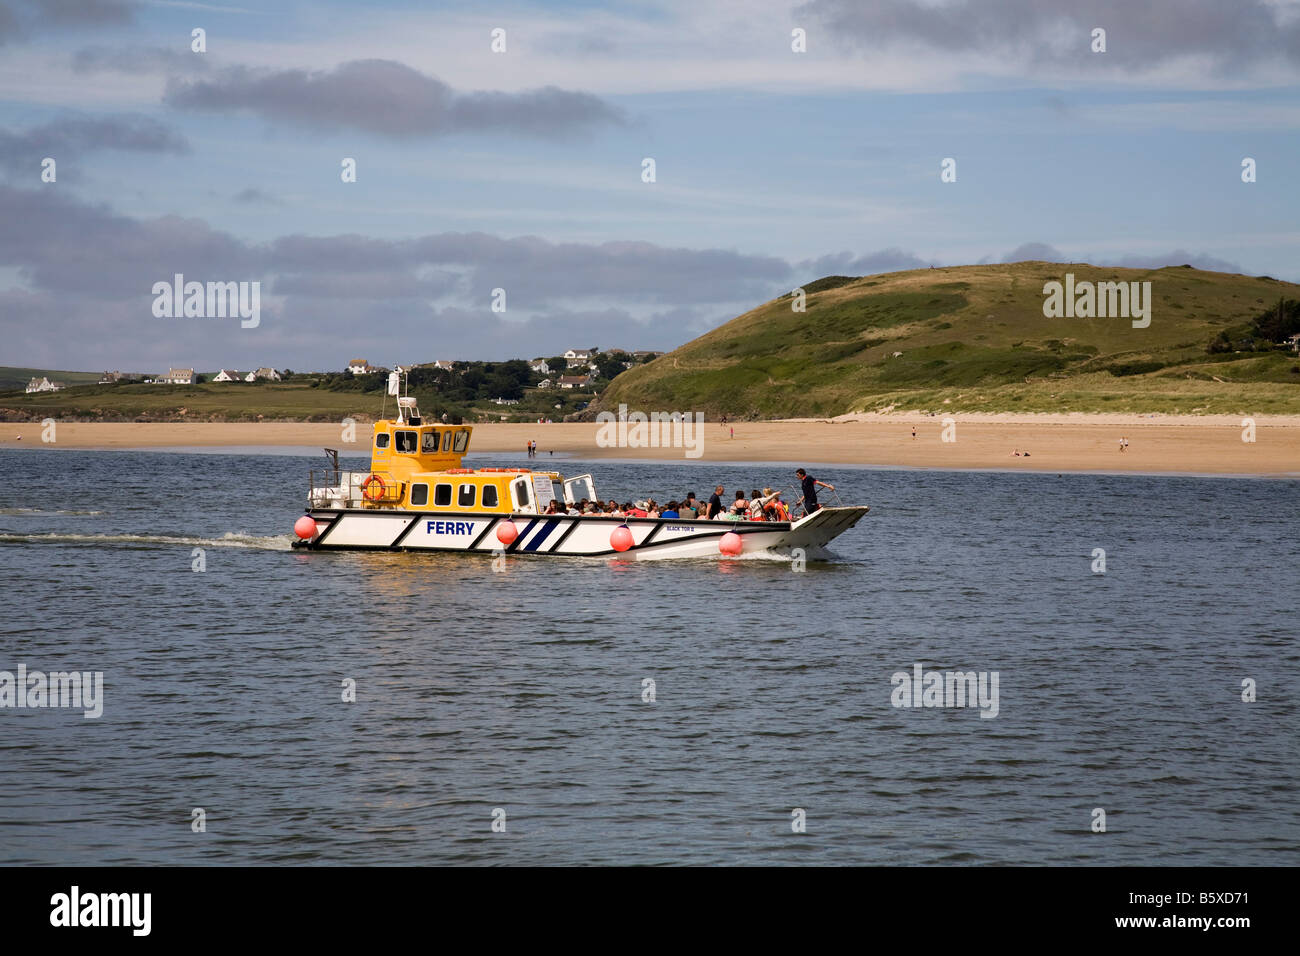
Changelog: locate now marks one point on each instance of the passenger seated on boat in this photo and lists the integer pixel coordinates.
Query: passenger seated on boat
(652, 509)
(670, 511)
(552, 508)
(635, 509)
(690, 508)
(574, 509)
(740, 505)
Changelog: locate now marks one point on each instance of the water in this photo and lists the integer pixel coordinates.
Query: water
(522, 690)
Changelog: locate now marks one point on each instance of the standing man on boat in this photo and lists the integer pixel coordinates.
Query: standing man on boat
(715, 503)
(809, 485)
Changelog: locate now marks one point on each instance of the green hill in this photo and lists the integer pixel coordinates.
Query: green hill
(974, 338)
(12, 377)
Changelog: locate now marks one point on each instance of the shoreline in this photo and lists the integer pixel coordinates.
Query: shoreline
(1184, 445)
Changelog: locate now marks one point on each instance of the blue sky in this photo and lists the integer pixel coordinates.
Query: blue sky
(522, 170)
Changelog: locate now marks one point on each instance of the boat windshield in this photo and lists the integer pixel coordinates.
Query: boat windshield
(575, 489)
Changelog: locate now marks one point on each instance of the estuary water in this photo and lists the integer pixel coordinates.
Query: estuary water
(523, 696)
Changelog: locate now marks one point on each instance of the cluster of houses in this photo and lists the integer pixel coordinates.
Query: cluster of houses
(582, 359)
(578, 363)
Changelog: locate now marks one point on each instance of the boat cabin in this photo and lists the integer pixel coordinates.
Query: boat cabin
(417, 467)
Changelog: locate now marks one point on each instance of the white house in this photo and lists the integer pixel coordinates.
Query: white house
(226, 375)
(444, 365)
(43, 384)
(266, 374)
(545, 383)
(539, 365)
(576, 357)
(358, 366)
(505, 401)
(176, 376)
(574, 381)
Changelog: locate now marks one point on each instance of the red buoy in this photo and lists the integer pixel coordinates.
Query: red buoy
(731, 543)
(621, 538)
(507, 532)
(305, 527)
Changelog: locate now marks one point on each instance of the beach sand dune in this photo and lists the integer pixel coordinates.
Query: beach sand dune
(1210, 445)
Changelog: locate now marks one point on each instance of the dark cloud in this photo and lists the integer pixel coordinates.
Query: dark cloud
(68, 139)
(20, 18)
(138, 60)
(1035, 252)
(433, 292)
(1138, 35)
(1042, 252)
(254, 195)
(389, 99)
(847, 264)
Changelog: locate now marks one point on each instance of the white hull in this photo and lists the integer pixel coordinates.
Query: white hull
(571, 535)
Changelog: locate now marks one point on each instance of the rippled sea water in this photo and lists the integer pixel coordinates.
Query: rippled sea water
(523, 690)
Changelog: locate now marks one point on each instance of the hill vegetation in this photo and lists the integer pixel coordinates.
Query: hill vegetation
(974, 338)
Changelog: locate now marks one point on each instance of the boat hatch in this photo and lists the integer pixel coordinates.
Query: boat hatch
(575, 489)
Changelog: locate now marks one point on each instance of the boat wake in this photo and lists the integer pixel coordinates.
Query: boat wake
(42, 511)
(269, 542)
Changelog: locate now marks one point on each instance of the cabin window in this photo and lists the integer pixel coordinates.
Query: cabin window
(381, 440)
(442, 495)
(429, 441)
(419, 495)
(520, 488)
(489, 496)
(446, 441)
(462, 440)
(466, 497)
(406, 442)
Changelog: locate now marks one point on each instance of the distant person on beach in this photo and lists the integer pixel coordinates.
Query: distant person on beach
(913, 433)
(733, 433)
(809, 485)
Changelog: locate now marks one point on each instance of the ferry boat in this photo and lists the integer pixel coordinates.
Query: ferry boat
(416, 496)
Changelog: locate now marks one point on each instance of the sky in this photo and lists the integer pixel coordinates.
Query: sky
(503, 146)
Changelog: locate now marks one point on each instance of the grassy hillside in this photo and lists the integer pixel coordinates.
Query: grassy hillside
(223, 401)
(12, 377)
(294, 400)
(974, 338)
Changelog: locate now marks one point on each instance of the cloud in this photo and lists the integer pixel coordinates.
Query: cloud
(254, 195)
(846, 263)
(67, 139)
(138, 60)
(1042, 252)
(391, 100)
(432, 291)
(18, 18)
(1035, 252)
(1139, 36)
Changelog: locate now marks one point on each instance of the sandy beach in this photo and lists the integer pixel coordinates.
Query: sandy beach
(1196, 445)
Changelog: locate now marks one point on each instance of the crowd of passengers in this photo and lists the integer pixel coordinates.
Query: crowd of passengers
(756, 506)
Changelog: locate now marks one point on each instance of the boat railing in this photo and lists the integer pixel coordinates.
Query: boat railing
(337, 488)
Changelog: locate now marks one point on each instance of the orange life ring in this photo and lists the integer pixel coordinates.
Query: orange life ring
(368, 483)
